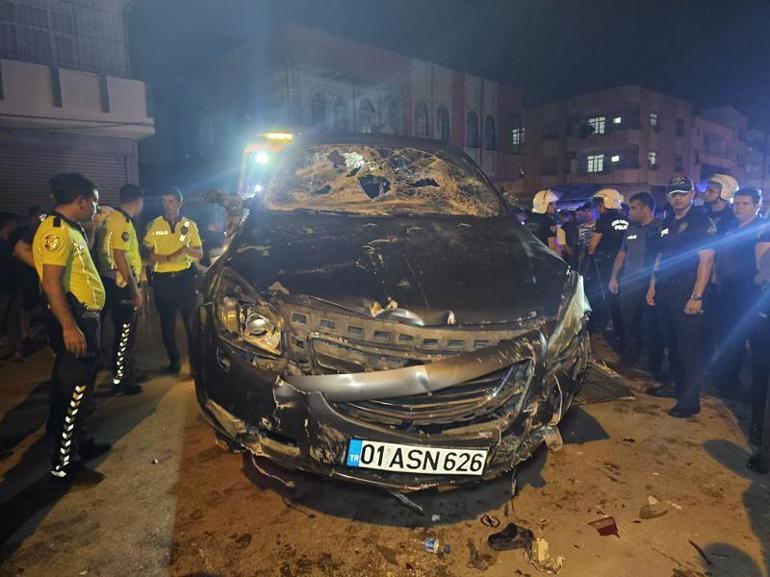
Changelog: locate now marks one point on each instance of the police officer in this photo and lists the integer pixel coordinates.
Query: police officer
(736, 270)
(718, 199)
(541, 223)
(120, 266)
(682, 271)
(604, 245)
(636, 260)
(174, 244)
(761, 360)
(75, 297)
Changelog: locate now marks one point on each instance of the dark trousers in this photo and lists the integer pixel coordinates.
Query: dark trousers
(640, 326)
(683, 338)
(604, 304)
(72, 387)
(761, 366)
(175, 292)
(120, 304)
(10, 319)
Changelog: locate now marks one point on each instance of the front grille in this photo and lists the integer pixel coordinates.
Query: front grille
(479, 400)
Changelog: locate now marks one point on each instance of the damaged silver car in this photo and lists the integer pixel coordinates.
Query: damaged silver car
(379, 317)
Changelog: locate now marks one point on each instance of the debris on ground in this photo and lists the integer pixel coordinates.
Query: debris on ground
(490, 521)
(407, 502)
(435, 517)
(676, 506)
(606, 527)
(433, 545)
(512, 537)
(652, 509)
(478, 560)
(155, 461)
(541, 559)
(700, 551)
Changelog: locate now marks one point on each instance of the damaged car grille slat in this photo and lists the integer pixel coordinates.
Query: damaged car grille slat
(458, 405)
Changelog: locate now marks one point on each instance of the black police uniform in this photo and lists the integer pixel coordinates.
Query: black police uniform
(612, 225)
(640, 323)
(680, 241)
(543, 226)
(736, 271)
(760, 352)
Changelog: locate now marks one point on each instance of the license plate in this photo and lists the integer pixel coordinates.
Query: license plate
(415, 458)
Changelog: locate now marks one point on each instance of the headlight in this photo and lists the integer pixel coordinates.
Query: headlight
(244, 318)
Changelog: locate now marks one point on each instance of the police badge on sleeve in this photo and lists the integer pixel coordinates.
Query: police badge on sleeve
(52, 243)
(125, 236)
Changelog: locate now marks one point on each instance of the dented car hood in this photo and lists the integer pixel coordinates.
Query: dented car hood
(482, 270)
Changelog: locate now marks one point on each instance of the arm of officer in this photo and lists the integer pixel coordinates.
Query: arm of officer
(74, 339)
(651, 288)
(763, 262)
(194, 249)
(596, 238)
(705, 266)
(119, 256)
(620, 258)
(23, 252)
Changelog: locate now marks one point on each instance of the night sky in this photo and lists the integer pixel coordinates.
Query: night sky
(710, 52)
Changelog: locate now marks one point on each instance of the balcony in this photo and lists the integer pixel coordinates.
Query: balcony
(40, 96)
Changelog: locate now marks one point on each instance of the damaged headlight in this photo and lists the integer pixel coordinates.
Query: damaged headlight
(572, 318)
(244, 318)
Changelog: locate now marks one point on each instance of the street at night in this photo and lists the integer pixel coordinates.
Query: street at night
(417, 288)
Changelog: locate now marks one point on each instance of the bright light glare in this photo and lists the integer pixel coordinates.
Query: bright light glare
(258, 188)
(617, 120)
(261, 158)
(615, 158)
(278, 136)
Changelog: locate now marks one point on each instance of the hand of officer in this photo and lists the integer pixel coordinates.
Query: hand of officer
(614, 289)
(138, 299)
(693, 307)
(651, 296)
(74, 340)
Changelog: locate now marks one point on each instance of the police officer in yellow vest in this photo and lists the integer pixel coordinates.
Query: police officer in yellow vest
(75, 296)
(174, 245)
(120, 266)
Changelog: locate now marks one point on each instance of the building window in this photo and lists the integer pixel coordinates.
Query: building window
(654, 120)
(679, 127)
(598, 124)
(421, 120)
(318, 111)
(490, 138)
(472, 130)
(392, 117)
(518, 136)
(366, 117)
(341, 118)
(678, 163)
(652, 159)
(617, 120)
(595, 163)
(615, 158)
(442, 123)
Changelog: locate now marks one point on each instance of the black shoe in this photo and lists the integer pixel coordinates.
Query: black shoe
(90, 449)
(172, 369)
(679, 413)
(512, 537)
(662, 392)
(77, 475)
(132, 389)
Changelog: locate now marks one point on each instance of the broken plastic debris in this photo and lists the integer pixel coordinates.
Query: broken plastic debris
(479, 561)
(435, 517)
(652, 509)
(541, 558)
(552, 438)
(606, 527)
(676, 506)
(432, 545)
(512, 537)
(406, 501)
(155, 461)
(490, 521)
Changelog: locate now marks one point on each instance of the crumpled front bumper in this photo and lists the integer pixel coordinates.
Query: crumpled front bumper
(300, 425)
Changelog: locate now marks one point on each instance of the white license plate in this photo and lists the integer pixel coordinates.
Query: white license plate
(415, 458)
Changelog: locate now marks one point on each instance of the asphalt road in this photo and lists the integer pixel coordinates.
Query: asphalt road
(174, 504)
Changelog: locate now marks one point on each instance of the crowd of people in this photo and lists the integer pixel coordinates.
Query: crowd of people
(687, 281)
(76, 264)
